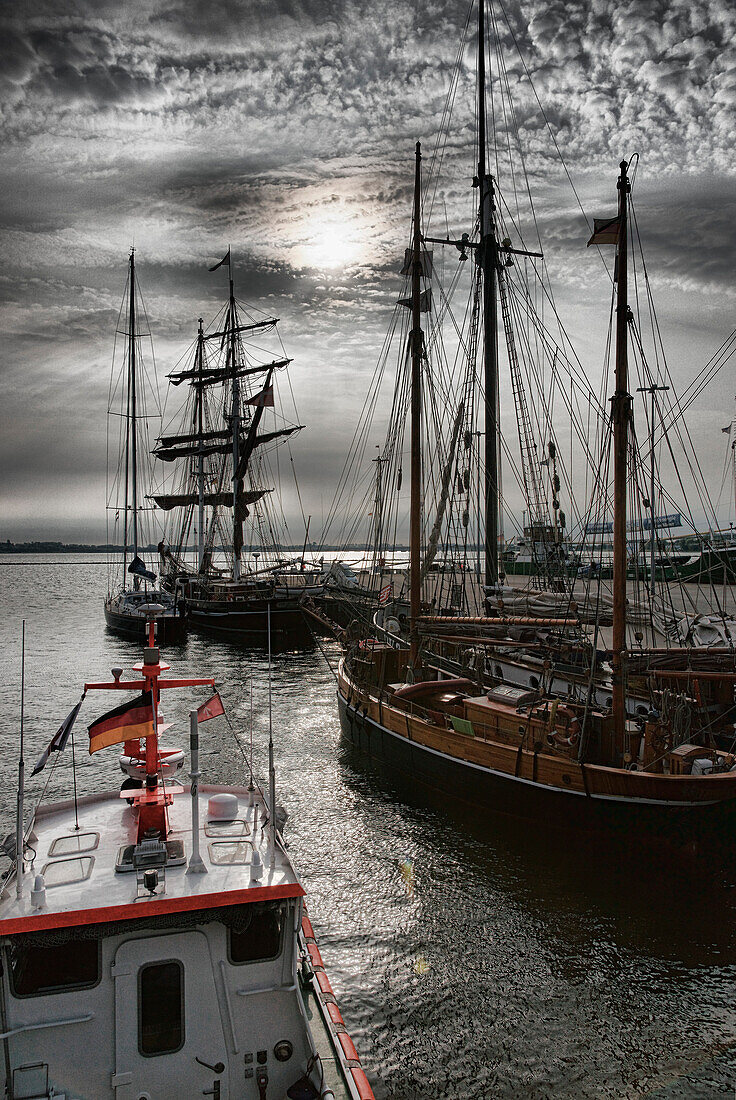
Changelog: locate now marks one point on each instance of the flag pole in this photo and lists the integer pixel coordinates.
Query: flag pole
(196, 863)
(271, 769)
(21, 774)
(74, 776)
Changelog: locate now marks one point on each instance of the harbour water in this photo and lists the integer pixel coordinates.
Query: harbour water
(473, 956)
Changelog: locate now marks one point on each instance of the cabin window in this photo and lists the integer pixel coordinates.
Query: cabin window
(38, 967)
(257, 935)
(161, 1008)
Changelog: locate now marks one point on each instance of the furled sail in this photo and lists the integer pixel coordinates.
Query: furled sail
(267, 437)
(167, 501)
(167, 441)
(170, 454)
(269, 323)
(187, 450)
(444, 495)
(212, 375)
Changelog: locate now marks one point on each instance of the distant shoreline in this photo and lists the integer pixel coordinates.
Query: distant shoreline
(9, 547)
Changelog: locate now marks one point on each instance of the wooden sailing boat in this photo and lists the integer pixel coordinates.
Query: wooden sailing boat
(667, 775)
(154, 939)
(133, 597)
(553, 633)
(223, 493)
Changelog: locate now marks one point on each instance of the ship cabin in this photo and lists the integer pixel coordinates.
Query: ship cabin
(125, 976)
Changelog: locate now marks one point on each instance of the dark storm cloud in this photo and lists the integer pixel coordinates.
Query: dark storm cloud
(274, 127)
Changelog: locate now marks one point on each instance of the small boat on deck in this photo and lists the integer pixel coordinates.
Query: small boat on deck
(154, 940)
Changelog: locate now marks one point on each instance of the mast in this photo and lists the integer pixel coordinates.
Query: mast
(235, 426)
(416, 422)
(621, 418)
(130, 422)
(488, 260)
(200, 456)
(132, 370)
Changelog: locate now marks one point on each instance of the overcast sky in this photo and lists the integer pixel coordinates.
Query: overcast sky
(286, 130)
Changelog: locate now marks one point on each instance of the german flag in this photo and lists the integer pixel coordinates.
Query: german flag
(125, 723)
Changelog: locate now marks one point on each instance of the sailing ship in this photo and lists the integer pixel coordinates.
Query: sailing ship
(133, 597)
(175, 945)
(224, 481)
(653, 757)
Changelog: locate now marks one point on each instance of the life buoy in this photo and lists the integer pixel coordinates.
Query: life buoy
(571, 735)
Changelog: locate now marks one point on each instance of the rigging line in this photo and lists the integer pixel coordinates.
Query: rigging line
(552, 135)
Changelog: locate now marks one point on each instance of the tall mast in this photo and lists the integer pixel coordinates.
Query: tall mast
(488, 260)
(200, 456)
(416, 421)
(621, 417)
(131, 433)
(235, 426)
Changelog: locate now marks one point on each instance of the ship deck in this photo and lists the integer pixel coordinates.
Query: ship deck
(88, 871)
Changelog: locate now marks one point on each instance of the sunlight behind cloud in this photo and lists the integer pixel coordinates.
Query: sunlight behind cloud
(329, 243)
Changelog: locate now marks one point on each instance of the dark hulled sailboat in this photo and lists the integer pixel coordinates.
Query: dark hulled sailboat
(134, 598)
(223, 493)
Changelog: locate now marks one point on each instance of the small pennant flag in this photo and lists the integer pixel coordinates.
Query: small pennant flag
(59, 740)
(386, 593)
(264, 399)
(225, 260)
(126, 723)
(213, 708)
(138, 568)
(605, 231)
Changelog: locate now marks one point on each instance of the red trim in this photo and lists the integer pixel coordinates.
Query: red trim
(138, 685)
(324, 982)
(335, 1015)
(365, 1092)
(348, 1046)
(307, 927)
(315, 955)
(147, 908)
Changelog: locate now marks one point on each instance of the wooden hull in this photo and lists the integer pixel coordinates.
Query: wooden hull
(170, 629)
(679, 813)
(248, 619)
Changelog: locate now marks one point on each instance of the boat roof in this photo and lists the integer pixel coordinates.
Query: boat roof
(88, 870)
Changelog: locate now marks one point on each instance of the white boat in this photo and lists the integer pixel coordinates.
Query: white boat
(154, 940)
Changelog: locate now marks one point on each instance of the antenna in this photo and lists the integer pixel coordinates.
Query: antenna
(271, 769)
(251, 784)
(21, 773)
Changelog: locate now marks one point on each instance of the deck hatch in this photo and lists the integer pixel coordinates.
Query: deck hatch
(63, 872)
(230, 852)
(71, 845)
(236, 827)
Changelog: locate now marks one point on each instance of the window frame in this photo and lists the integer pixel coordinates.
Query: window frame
(54, 991)
(174, 1050)
(284, 909)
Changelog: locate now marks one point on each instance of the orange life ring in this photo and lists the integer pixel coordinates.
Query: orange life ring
(574, 726)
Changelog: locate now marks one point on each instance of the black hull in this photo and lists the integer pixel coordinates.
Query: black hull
(344, 607)
(170, 629)
(693, 830)
(248, 620)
